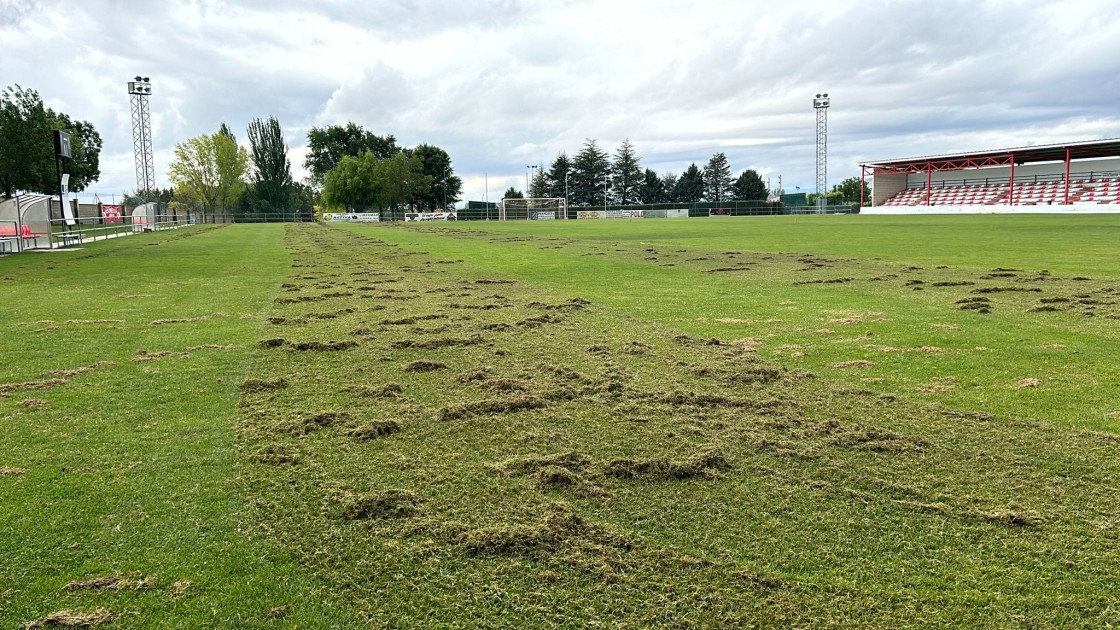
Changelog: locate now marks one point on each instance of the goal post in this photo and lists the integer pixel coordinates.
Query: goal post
(533, 209)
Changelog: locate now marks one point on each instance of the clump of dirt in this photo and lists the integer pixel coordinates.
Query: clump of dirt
(1002, 274)
(424, 366)
(33, 402)
(560, 530)
(215, 346)
(571, 460)
(263, 385)
(494, 281)
(1044, 309)
(5, 388)
(860, 363)
(876, 440)
(95, 321)
(847, 321)
(436, 344)
(315, 422)
(412, 320)
(1013, 518)
(373, 429)
(830, 281)
(637, 348)
(389, 504)
(1007, 290)
(703, 465)
(144, 356)
(540, 320)
(1029, 382)
(573, 304)
(477, 375)
(554, 477)
(71, 619)
(272, 343)
(492, 406)
(12, 471)
(80, 370)
(276, 455)
(952, 283)
(325, 346)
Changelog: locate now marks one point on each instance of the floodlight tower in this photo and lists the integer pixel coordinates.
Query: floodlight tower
(821, 103)
(139, 90)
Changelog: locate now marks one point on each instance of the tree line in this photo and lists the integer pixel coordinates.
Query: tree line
(593, 178)
(359, 171)
(27, 160)
(349, 169)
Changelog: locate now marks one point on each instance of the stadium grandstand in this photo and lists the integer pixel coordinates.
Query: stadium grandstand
(1068, 177)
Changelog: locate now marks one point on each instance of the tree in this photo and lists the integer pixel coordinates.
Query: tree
(690, 186)
(445, 187)
(590, 174)
(272, 171)
(227, 132)
(208, 172)
(849, 191)
(538, 185)
(401, 182)
(352, 184)
(27, 160)
(717, 178)
(326, 146)
(749, 186)
(557, 175)
(652, 188)
(669, 183)
(626, 174)
(513, 193)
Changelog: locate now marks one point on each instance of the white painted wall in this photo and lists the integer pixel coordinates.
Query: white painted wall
(1070, 209)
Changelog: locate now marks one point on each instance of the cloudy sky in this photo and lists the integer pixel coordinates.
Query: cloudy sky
(501, 84)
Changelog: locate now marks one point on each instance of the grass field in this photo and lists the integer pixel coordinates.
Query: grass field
(768, 421)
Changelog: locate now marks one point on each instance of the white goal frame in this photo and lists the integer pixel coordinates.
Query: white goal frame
(533, 208)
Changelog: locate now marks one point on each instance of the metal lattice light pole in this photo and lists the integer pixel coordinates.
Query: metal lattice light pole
(140, 89)
(821, 103)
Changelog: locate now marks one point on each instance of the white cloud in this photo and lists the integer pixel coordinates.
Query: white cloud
(504, 83)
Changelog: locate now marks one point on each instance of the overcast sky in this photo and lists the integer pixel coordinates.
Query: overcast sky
(502, 84)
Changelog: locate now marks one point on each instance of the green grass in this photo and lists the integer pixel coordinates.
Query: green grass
(531, 424)
(129, 467)
(1071, 351)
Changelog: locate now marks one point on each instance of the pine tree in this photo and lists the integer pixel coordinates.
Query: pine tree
(717, 178)
(652, 188)
(690, 186)
(590, 175)
(749, 186)
(557, 174)
(626, 174)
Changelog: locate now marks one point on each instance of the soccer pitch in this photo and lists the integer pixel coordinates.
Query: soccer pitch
(858, 421)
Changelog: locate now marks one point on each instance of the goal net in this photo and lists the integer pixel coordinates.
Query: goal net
(533, 208)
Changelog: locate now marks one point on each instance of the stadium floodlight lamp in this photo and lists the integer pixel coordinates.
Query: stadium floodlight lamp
(141, 86)
(821, 101)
